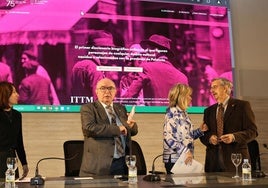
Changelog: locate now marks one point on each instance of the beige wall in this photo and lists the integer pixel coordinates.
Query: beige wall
(44, 134)
(250, 28)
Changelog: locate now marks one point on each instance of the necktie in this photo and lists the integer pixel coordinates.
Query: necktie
(118, 143)
(220, 114)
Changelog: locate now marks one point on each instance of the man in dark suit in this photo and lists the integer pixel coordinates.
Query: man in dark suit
(103, 122)
(239, 128)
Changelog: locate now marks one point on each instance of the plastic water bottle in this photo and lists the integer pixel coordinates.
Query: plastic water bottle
(246, 170)
(132, 175)
(10, 179)
(10, 175)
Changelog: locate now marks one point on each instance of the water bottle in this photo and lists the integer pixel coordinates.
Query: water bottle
(246, 170)
(10, 175)
(10, 178)
(132, 175)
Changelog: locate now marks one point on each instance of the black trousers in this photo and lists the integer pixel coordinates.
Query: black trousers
(169, 166)
(119, 167)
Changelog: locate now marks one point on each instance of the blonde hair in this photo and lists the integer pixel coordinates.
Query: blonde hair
(178, 95)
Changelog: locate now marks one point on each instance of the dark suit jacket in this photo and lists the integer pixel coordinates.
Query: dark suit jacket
(99, 137)
(239, 120)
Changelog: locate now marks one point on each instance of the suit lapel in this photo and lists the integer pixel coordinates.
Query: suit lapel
(118, 111)
(214, 115)
(102, 111)
(229, 109)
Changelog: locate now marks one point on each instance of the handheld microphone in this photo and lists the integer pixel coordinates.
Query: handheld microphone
(265, 145)
(38, 180)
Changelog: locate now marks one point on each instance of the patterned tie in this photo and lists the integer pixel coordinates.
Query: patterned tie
(118, 143)
(220, 114)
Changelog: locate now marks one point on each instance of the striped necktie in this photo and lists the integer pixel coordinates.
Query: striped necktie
(220, 114)
(118, 143)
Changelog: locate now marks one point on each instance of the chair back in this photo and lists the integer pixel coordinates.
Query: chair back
(253, 149)
(141, 165)
(73, 148)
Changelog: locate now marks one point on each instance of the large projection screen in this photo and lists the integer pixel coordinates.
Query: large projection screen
(74, 43)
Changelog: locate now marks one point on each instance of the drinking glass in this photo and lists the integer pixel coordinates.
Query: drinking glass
(131, 160)
(236, 159)
(12, 163)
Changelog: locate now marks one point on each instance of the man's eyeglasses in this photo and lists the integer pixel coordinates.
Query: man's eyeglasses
(103, 89)
(215, 87)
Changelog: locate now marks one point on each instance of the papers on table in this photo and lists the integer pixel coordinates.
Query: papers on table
(188, 180)
(83, 178)
(26, 180)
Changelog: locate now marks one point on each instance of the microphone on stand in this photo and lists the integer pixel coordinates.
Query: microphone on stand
(38, 180)
(153, 176)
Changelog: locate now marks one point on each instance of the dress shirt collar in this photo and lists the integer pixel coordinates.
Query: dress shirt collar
(225, 102)
(105, 105)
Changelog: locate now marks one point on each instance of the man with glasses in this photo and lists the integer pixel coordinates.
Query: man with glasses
(231, 125)
(107, 133)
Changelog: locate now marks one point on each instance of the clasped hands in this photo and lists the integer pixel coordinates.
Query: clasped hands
(226, 138)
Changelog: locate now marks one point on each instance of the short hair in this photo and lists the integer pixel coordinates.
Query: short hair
(177, 95)
(104, 80)
(30, 54)
(6, 89)
(226, 83)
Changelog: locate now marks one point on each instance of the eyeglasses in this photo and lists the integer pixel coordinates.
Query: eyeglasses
(215, 87)
(110, 89)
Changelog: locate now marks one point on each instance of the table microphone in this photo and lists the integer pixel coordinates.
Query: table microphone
(38, 180)
(153, 176)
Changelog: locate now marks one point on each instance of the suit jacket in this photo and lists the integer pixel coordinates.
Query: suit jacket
(238, 120)
(99, 136)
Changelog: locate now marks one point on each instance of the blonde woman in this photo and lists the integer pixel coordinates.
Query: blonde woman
(179, 133)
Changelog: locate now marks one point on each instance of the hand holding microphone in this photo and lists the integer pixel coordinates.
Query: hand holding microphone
(130, 120)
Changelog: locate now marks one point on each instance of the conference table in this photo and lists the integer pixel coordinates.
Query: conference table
(169, 181)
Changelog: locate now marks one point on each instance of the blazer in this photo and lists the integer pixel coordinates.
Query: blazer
(239, 120)
(99, 136)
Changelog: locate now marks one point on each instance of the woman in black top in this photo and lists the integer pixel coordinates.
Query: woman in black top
(11, 141)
